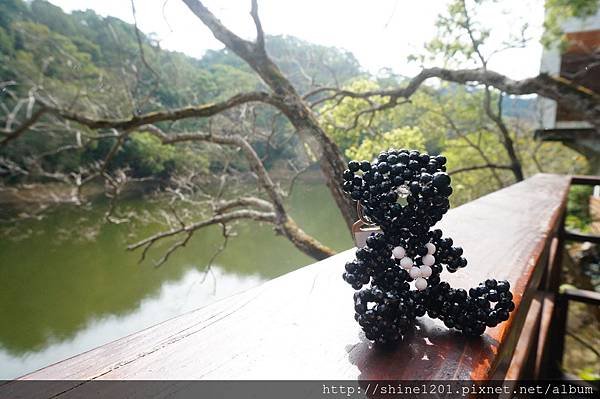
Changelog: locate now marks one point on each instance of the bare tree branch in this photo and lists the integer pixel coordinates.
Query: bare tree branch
(295, 179)
(195, 111)
(284, 224)
(188, 230)
(260, 35)
(230, 140)
(583, 342)
(507, 141)
(566, 92)
(255, 202)
(140, 44)
(12, 135)
(478, 167)
(465, 137)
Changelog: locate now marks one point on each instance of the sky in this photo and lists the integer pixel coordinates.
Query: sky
(380, 33)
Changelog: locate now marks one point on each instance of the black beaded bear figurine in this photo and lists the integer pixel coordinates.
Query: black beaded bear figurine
(405, 193)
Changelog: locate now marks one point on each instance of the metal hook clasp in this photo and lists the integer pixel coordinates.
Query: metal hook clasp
(363, 227)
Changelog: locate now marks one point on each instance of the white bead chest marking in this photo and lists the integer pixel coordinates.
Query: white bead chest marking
(419, 274)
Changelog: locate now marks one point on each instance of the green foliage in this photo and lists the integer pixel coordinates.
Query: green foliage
(578, 206)
(6, 44)
(589, 374)
(402, 137)
(148, 157)
(349, 132)
(49, 54)
(11, 10)
(305, 64)
(461, 155)
(337, 120)
(94, 65)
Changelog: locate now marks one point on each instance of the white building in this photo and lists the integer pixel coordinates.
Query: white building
(579, 62)
(583, 37)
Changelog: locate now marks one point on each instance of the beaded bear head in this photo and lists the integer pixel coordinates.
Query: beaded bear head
(417, 180)
(405, 193)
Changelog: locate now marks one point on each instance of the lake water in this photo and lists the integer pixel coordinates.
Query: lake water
(68, 285)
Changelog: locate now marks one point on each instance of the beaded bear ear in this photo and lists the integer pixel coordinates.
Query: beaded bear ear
(401, 196)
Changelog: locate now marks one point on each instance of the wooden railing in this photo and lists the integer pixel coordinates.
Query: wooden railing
(301, 325)
(556, 304)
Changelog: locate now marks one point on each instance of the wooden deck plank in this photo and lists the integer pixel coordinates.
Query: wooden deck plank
(301, 325)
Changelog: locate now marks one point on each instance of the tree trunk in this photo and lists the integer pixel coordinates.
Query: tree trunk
(294, 108)
(507, 142)
(305, 242)
(331, 160)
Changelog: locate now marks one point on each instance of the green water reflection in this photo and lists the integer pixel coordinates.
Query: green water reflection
(67, 285)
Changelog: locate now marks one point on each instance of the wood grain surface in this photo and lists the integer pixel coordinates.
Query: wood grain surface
(301, 325)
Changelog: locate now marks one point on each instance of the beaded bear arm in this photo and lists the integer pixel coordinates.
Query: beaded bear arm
(405, 193)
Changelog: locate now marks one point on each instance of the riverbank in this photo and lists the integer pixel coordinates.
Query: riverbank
(32, 198)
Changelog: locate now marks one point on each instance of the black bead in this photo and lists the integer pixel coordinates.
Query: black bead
(353, 166)
(507, 295)
(441, 179)
(350, 267)
(363, 253)
(392, 197)
(414, 165)
(445, 191)
(502, 314)
(482, 303)
(491, 283)
(383, 167)
(503, 286)
(415, 188)
(460, 294)
(426, 178)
